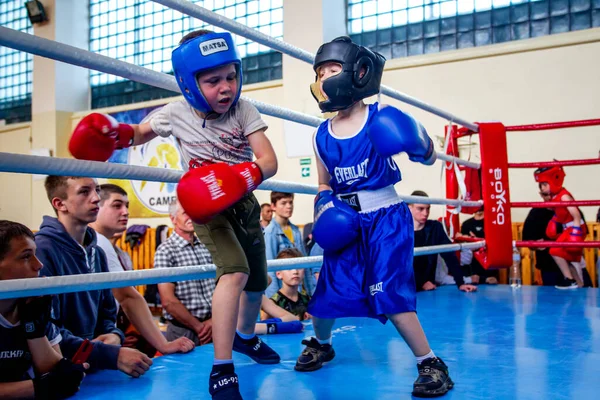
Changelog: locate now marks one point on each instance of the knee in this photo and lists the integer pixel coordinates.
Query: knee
(236, 279)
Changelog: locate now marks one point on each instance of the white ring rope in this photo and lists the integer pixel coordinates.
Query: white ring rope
(203, 14)
(435, 200)
(459, 161)
(106, 280)
(28, 164)
(86, 59)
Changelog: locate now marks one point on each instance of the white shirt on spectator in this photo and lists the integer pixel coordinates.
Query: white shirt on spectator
(115, 263)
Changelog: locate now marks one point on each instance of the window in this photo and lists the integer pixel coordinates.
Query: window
(15, 66)
(400, 28)
(145, 33)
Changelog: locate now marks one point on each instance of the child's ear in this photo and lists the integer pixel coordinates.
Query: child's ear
(58, 204)
(362, 72)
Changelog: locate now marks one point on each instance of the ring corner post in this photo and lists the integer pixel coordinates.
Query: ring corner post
(496, 194)
(451, 220)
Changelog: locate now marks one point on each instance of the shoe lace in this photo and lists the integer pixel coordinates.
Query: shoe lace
(430, 368)
(312, 347)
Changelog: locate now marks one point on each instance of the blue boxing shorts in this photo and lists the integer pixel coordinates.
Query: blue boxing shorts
(373, 277)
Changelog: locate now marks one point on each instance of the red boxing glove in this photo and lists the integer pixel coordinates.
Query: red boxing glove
(250, 172)
(552, 229)
(97, 136)
(575, 234)
(206, 191)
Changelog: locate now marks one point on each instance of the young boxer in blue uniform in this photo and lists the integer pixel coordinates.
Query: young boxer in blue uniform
(364, 228)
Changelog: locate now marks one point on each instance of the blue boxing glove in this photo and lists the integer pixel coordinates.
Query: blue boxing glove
(275, 325)
(336, 223)
(391, 131)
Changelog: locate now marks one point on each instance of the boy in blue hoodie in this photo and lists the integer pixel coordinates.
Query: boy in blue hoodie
(66, 246)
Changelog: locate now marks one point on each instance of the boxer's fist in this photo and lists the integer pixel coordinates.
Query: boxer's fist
(392, 131)
(61, 382)
(553, 229)
(251, 174)
(336, 223)
(575, 234)
(206, 191)
(97, 136)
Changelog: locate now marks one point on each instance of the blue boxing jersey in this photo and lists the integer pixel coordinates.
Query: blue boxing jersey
(352, 161)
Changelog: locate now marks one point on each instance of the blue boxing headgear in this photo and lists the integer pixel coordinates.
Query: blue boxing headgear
(347, 87)
(200, 54)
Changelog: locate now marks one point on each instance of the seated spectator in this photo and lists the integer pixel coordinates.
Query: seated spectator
(270, 310)
(473, 227)
(134, 317)
(289, 297)
(466, 258)
(32, 364)
(266, 214)
(67, 246)
(275, 319)
(282, 234)
(431, 233)
(186, 304)
(442, 275)
(534, 228)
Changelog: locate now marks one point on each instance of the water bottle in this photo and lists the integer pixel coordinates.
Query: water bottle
(514, 276)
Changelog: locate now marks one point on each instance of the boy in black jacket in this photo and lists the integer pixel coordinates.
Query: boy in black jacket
(31, 363)
(431, 233)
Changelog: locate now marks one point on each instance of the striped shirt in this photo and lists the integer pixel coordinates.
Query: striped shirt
(196, 295)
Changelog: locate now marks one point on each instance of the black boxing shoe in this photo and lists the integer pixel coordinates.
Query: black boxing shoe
(256, 349)
(223, 383)
(433, 380)
(314, 355)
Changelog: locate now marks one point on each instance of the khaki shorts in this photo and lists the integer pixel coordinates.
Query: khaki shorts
(236, 242)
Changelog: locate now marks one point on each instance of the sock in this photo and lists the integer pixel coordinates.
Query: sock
(425, 357)
(324, 341)
(216, 361)
(245, 337)
(221, 367)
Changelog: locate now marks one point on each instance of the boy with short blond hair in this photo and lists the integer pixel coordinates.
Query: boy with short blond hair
(289, 297)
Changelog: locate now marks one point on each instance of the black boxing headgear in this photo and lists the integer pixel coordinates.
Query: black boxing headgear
(347, 87)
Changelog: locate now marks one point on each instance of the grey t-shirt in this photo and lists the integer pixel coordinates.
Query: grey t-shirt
(224, 139)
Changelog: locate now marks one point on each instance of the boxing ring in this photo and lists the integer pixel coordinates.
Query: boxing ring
(532, 342)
